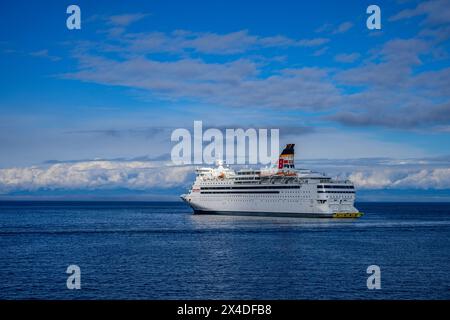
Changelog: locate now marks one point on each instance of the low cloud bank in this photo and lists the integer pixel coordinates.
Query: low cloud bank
(94, 175)
(152, 175)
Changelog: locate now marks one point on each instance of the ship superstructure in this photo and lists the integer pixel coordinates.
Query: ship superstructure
(283, 190)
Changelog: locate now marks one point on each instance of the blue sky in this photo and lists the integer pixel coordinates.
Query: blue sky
(136, 70)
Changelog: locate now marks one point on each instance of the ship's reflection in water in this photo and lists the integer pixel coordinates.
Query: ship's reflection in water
(372, 220)
(264, 221)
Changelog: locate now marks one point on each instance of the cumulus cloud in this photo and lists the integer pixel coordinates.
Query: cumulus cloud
(402, 179)
(94, 175)
(388, 173)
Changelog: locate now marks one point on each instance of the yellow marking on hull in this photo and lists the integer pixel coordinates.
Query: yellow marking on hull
(347, 214)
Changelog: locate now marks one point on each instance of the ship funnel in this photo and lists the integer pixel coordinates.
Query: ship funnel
(286, 159)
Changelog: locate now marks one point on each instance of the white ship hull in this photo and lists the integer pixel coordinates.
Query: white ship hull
(306, 200)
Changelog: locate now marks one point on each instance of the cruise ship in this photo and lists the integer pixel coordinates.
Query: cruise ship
(279, 191)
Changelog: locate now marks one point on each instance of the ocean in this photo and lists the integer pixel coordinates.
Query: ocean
(159, 250)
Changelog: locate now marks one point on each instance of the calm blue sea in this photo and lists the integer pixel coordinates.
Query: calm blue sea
(161, 251)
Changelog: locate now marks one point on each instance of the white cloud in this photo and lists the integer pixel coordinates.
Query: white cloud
(347, 57)
(361, 95)
(434, 17)
(420, 98)
(335, 29)
(320, 51)
(402, 179)
(45, 54)
(313, 42)
(185, 41)
(231, 84)
(343, 27)
(124, 20)
(91, 175)
(435, 12)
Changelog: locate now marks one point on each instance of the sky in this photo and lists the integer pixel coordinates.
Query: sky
(89, 113)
